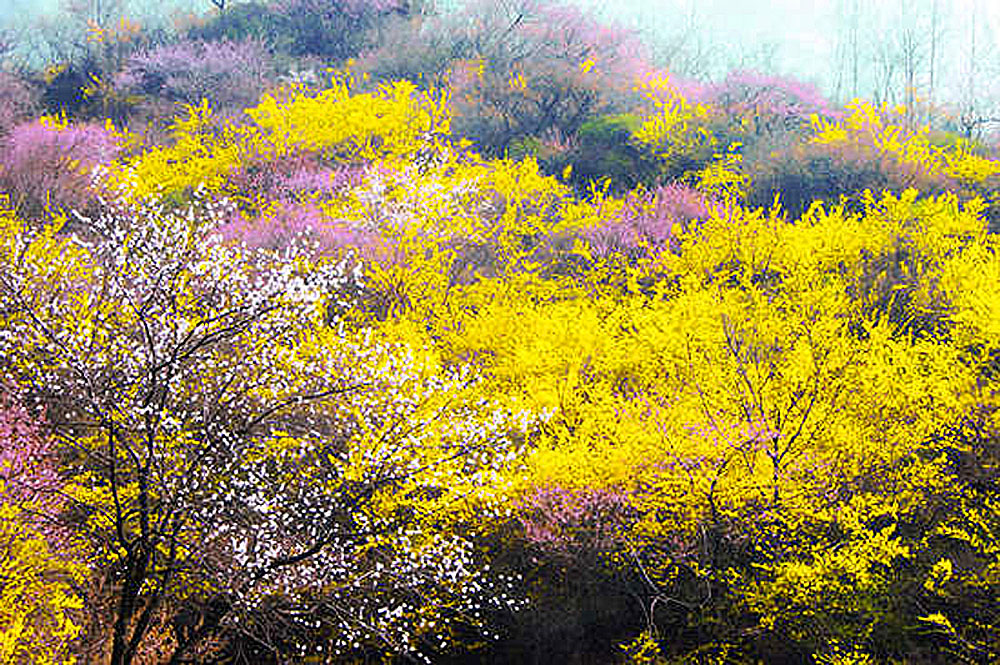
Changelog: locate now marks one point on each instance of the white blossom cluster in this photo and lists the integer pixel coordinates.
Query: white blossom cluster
(400, 579)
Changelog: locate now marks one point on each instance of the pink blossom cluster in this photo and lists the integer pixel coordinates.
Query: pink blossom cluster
(292, 177)
(574, 522)
(321, 180)
(290, 223)
(753, 435)
(48, 167)
(770, 102)
(650, 221)
(231, 75)
(29, 475)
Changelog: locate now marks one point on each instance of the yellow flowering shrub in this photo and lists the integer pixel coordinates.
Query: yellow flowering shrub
(753, 372)
(39, 597)
(336, 123)
(339, 122)
(679, 133)
(970, 277)
(873, 128)
(199, 157)
(674, 119)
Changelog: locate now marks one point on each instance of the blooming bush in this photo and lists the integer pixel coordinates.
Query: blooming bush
(48, 165)
(29, 474)
(650, 222)
(678, 128)
(574, 523)
(289, 224)
(866, 149)
(261, 180)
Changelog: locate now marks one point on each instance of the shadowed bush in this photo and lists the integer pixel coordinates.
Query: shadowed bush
(802, 173)
(18, 101)
(333, 30)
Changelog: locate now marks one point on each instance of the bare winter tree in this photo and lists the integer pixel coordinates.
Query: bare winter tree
(849, 53)
(977, 97)
(681, 41)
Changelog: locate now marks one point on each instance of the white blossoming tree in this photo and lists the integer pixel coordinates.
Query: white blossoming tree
(246, 467)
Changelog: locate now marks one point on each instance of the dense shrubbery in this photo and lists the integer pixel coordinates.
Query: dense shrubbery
(679, 374)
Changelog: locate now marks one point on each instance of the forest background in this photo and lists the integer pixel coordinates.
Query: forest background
(946, 49)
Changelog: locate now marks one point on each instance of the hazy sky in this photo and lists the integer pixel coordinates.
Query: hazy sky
(795, 26)
(803, 30)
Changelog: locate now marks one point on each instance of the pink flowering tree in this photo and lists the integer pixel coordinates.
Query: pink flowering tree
(288, 224)
(46, 166)
(768, 104)
(29, 474)
(231, 75)
(535, 68)
(575, 524)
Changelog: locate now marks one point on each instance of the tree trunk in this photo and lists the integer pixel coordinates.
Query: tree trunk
(124, 644)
